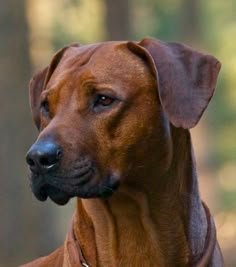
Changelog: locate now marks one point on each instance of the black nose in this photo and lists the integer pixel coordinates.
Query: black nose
(43, 155)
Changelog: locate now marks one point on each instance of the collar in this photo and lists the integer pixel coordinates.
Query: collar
(73, 256)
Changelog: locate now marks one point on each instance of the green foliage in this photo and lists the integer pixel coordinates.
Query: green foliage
(219, 33)
(78, 21)
(160, 19)
(228, 200)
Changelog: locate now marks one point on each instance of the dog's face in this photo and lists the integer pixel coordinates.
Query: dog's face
(97, 111)
(100, 114)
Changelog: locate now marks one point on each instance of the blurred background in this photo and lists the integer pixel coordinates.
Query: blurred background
(31, 31)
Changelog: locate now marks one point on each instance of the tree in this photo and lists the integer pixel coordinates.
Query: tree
(18, 232)
(118, 20)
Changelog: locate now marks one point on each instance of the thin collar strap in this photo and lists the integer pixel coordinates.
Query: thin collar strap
(76, 256)
(73, 248)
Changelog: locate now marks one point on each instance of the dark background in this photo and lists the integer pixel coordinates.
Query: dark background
(31, 31)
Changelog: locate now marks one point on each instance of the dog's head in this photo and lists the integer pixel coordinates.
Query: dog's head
(104, 113)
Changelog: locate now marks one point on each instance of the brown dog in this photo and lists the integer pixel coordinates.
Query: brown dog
(114, 123)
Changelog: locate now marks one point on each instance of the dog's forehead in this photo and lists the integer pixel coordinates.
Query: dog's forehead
(84, 53)
(104, 63)
(104, 59)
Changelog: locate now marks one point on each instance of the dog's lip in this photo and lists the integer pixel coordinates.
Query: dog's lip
(104, 189)
(57, 195)
(58, 189)
(40, 194)
(59, 181)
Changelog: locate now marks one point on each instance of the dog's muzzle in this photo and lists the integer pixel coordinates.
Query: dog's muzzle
(43, 158)
(81, 179)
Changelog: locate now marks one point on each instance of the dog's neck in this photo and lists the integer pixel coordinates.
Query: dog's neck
(161, 223)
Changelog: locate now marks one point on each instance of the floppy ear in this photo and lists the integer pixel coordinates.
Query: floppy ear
(35, 89)
(39, 82)
(186, 79)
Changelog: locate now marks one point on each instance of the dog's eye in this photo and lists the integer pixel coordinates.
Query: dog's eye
(45, 106)
(103, 100)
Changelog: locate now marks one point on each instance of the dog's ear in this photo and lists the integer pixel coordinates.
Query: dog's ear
(39, 82)
(186, 79)
(35, 89)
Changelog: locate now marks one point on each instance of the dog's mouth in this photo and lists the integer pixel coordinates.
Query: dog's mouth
(60, 188)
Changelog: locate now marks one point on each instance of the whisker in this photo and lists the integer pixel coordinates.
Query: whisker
(108, 188)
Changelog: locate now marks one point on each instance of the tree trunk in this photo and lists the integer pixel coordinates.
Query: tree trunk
(20, 221)
(118, 20)
(191, 26)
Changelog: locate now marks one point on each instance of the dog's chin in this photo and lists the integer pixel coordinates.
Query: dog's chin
(61, 193)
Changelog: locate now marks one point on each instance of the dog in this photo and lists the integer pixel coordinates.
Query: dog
(113, 121)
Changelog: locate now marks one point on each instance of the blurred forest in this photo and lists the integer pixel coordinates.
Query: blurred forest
(31, 31)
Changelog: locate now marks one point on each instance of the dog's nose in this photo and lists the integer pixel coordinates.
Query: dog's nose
(43, 155)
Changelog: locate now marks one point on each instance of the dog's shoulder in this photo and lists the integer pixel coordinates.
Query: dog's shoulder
(54, 259)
